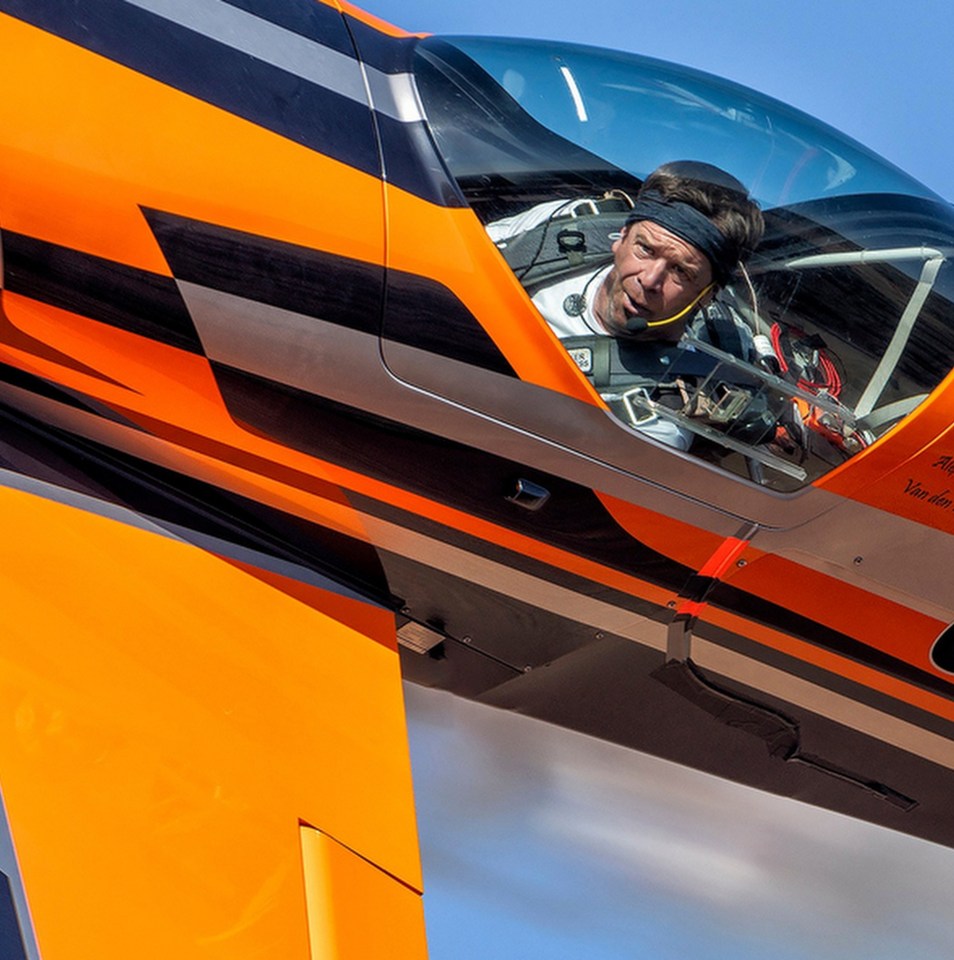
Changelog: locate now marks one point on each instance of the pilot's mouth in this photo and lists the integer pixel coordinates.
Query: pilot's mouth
(632, 308)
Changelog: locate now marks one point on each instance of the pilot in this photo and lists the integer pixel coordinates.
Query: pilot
(691, 226)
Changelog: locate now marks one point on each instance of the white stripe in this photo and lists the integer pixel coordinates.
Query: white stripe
(524, 587)
(395, 95)
(265, 41)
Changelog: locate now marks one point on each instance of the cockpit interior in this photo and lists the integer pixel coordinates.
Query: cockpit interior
(847, 298)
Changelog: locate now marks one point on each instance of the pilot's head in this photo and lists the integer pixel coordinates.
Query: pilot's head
(690, 228)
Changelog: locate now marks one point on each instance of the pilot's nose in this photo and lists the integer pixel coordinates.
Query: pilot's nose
(652, 274)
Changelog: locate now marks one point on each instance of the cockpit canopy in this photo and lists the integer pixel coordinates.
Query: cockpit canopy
(851, 285)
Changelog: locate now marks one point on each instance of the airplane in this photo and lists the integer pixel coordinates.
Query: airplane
(281, 425)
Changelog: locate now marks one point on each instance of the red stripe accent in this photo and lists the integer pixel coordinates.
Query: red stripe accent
(728, 552)
(691, 608)
(723, 558)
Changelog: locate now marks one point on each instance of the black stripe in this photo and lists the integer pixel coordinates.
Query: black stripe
(227, 78)
(310, 282)
(942, 653)
(51, 391)
(11, 936)
(796, 625)
(380, 50)
(308, 18)
(135, 300)
(168, 496)
(445, 471)
(420, 312)
(825, 679)
(425, 314)
(412, 162)
(697, 588)
(392, 514)
(384, 511)
(509, 559)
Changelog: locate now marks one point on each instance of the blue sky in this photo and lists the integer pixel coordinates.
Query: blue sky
(540, 843)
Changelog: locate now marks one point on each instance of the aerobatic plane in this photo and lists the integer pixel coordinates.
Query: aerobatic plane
(282, 422)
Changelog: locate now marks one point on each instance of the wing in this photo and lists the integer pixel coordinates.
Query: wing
(195, 761)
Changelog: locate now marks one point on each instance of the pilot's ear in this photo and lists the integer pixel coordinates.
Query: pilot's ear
(620, 238)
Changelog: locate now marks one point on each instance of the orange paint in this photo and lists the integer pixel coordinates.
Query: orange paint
(683, 542)
(479, 276)
(370, 620)
(169, 722)
(369, 19)
(114, 141)
(879, 623)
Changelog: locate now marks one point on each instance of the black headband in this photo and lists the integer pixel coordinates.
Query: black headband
(691, 225)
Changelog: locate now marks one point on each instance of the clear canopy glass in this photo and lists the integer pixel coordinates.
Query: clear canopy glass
(851, 286)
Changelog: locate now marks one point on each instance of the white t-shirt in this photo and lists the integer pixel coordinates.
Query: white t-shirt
(567, 305)
(508, 227)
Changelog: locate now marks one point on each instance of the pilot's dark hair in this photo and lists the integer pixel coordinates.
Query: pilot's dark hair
(715, 193)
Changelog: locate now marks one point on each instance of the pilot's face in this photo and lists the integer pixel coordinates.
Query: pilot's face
(655, 275)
